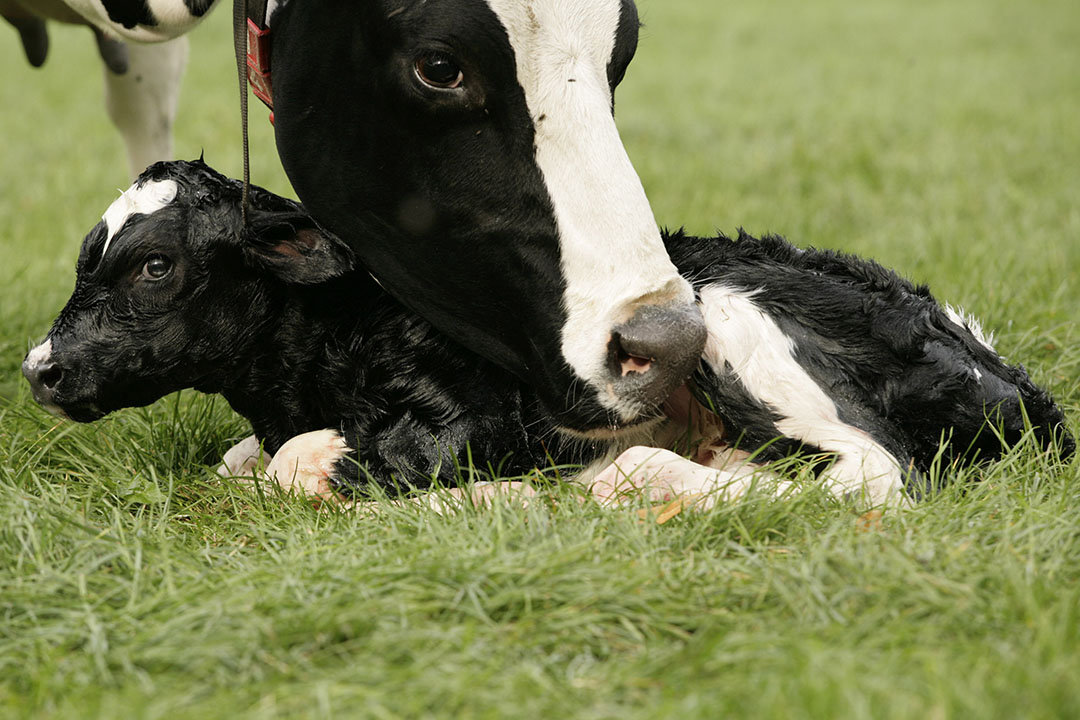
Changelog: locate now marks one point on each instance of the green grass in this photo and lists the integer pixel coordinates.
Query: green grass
(940, 138)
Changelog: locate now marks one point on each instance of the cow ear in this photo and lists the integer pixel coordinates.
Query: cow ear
(295, 249)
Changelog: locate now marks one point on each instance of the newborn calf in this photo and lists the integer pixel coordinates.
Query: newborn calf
(808, 352)
(173, 291)
(813, 352)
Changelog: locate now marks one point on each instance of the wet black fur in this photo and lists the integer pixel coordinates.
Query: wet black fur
(880, 347)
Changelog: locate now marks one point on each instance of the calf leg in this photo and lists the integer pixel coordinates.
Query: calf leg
(142, 101)
(305, 463)
(243, 459)
(666, 476)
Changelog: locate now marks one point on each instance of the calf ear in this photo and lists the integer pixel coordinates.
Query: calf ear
(295, 249)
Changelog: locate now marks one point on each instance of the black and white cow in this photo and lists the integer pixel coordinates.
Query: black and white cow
(809, 353)
(142, 77)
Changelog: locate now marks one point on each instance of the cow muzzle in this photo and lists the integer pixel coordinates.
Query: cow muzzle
(651, 355)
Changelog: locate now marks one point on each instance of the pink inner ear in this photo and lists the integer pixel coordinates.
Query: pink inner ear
(300, 244)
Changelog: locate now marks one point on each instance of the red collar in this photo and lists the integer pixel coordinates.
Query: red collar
(258, 63)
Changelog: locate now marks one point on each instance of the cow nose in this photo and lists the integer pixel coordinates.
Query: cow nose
(43, 378)
(655, 351)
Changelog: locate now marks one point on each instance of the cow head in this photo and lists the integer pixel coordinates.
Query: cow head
(173, 291)
(467, 151)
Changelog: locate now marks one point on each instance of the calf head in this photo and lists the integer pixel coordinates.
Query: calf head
(172, 291)
(467, 151)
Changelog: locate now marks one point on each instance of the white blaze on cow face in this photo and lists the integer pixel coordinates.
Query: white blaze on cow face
(140, 199)
(611, 253)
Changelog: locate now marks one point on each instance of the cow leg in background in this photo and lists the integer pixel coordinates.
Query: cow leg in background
(142, 102)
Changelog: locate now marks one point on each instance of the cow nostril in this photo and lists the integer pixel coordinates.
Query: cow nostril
(630, 363)
(655, 351)
(50, 375)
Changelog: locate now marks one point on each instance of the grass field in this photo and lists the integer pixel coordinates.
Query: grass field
(942, 138)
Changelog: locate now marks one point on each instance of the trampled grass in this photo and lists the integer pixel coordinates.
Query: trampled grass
(941, 138)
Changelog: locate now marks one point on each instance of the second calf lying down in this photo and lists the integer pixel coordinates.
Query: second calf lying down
(808, 353)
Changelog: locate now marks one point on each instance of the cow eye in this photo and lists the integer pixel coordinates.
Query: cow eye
(157, 267)
(439, 70)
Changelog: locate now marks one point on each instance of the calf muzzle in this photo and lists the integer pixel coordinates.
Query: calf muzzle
(43, 376)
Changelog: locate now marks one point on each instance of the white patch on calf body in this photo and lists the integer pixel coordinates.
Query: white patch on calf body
(972, 325)
(762, 356)
(140, 199)
(612, 256)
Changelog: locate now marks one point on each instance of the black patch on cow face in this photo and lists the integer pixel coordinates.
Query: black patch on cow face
(436, 189)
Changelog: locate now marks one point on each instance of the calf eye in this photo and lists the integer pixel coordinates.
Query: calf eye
(439, 70)
(157, 267)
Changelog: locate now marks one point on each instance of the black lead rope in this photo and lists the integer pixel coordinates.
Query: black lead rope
(240, 15)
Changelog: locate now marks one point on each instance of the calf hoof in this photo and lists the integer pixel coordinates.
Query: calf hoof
(242, 459)
(306, 463)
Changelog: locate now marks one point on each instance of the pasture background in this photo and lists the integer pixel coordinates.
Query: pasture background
(941, 138)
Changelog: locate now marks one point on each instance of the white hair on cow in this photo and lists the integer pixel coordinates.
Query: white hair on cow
(612, 256)
(140, 199)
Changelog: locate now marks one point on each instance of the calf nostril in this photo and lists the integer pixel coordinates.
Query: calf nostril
(50, 375)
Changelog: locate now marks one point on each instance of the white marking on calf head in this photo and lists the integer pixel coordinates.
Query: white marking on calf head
(140, 199)
(972, 325)
(39, 355)
(611, 252)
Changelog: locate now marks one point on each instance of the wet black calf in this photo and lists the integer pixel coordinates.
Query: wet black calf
(172, 293)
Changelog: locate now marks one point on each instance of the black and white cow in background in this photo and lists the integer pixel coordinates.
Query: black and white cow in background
(816, 353)
(142, 78)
